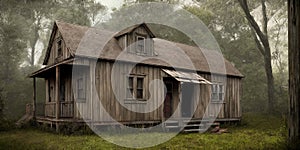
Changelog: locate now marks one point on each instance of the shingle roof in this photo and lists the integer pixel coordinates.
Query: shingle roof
(96, 43)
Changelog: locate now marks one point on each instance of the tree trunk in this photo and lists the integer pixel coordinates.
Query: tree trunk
(294, 69)
(262, 41)
(270, 80)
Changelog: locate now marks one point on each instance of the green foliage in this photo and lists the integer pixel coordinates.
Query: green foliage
(24, 25)
(229, 26)
(256, 132)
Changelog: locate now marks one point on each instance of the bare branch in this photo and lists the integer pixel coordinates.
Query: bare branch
(258, 43)
(262, 37)
(265, 17)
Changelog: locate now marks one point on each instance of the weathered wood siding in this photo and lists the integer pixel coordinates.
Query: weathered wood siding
(83, 107)
(230, 108)
(112, 105)
(129, 40)
(53, 56)
(66, 104)
(99, 90)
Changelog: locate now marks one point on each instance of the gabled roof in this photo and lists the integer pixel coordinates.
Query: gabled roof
(132, 28)
(76, 37)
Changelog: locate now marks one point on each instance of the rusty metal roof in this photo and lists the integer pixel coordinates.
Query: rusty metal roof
(186, 76)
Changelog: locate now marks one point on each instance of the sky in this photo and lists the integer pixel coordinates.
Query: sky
(111, 3)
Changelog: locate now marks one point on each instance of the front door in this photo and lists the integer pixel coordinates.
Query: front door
(187, 90)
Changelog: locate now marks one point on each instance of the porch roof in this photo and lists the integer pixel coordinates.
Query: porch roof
(186, 76)
(46, 71)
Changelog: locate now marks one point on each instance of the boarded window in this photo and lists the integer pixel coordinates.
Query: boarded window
(81, 89)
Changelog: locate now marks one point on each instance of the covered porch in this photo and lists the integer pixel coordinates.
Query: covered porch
(59, 102)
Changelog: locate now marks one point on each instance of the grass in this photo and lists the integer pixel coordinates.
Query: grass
(255, 132)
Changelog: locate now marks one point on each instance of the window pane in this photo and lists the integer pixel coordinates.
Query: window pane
(140, 44)
(214, 96)
(139, 83)
(139, 93)
(214, 88)
(220, 96)
(220, 88)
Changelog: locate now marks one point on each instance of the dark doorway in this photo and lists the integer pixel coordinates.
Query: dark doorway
(62, 89)
(168, 99)
(187, 90)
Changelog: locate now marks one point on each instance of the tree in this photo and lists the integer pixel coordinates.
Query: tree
(23, 26)
(229, 27)
(40, 16)
(12, 51)
(262, 41)
(294, 72)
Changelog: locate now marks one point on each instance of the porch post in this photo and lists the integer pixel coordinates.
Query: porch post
(57, 77)
(34, 99)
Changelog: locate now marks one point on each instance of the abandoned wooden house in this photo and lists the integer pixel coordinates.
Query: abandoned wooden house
(63, 103)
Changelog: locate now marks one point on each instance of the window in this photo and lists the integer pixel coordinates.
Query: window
(217, 92)
(135, 88)
(80, 89)
(59, 48)
(140, 44)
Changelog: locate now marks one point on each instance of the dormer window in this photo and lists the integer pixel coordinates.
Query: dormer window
(141, 44)
(136, 40)
(59, 48)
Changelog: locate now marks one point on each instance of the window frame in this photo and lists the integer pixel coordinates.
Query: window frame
(216, 92)
(138, 51)
(81, 97)
(135, 88)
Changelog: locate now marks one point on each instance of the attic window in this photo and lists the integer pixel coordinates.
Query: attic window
(140, 44)
(59, 48)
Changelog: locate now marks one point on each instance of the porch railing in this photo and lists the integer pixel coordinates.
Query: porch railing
(66, 109)
(50, 109)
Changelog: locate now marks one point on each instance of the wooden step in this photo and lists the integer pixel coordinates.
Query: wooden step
(191, 121)
(171, 126)
(194, 125)
(193, 130)
(213, 124)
